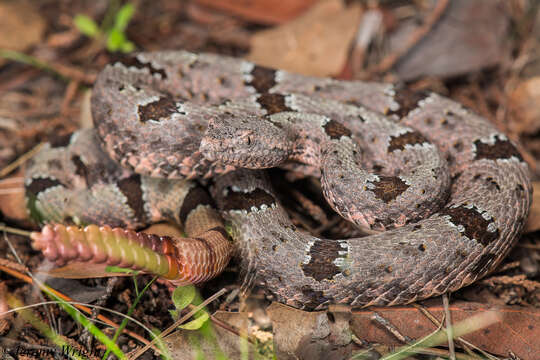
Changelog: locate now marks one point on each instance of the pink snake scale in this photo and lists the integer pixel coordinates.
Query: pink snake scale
(450, 192)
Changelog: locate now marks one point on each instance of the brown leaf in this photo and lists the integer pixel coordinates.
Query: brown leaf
(315, 43)
(261, 11)
(21, 26)
(524, 107)
(533, 221)
(518, 332)
(12, 201)
(310, 335)
(469, 36)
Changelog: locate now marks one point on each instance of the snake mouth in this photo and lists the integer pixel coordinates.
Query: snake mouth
(247, 159)
(246, 150)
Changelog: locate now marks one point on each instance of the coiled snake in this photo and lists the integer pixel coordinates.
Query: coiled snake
(451, 192)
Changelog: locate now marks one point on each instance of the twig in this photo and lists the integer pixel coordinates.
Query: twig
(463, 342)
(389, 61)
(63, 70)
(449, 329)
(15, 231)
(444, 354)
(390, 328)
(228, 327)
(471, 324)
(21, 78)
(71, 91)
(21, 160)
(314, 210)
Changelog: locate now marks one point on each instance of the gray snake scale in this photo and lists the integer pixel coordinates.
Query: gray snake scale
(443, 193)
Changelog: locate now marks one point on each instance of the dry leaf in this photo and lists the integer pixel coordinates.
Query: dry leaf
(21, 26)
(12, 201)
(261, 11)
(518, 332)
(310, 335)
(469, 36)
(524, 107)
(315, 43)
(533, 221)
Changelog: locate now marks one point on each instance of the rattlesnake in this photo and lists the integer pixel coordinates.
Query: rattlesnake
(451, 191)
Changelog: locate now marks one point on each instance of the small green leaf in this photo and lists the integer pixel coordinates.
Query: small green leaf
(31, 204)
(86, 25)
(123, 16)
(183, 296)
(201, 318)
(117, 269)
(174, 314)
(115, 39)
(127, 47)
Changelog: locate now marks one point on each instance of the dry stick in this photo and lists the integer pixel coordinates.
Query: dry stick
(178, 322)
(21, 160)
(13, 265)
(67, 71)
(71, 91)
(314, 210)
(466, 326)
(463, 342)
(18, 80)
(443, 354)
(449, 328)
(227, 326)
(390, 328)
(389, 61)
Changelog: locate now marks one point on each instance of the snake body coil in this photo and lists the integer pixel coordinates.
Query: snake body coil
(451, 191)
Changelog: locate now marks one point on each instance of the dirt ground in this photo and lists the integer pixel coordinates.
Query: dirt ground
(484, 54)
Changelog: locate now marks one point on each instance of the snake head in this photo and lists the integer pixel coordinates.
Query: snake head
(245, 141)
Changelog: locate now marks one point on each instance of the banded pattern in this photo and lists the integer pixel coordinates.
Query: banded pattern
(452, 192)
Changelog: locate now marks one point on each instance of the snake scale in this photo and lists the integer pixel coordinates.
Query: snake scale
(443, 194)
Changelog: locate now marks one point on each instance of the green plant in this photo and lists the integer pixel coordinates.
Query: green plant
(184, 296)
(111, 33)
(139, 295)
